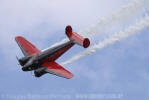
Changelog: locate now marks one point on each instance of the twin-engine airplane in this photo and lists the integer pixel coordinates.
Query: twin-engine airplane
(42, 62)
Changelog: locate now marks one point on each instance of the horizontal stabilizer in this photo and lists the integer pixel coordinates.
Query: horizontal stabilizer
(85, 42)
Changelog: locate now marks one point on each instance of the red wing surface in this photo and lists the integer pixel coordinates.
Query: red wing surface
(56, 69)
(26, 47)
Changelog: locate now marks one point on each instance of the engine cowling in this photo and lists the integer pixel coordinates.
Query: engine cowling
(40, 71)
(24, 60)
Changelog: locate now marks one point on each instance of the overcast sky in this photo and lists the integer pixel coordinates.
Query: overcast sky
(120, 69)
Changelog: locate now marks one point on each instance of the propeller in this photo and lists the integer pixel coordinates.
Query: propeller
(17, 59)
(32, 73)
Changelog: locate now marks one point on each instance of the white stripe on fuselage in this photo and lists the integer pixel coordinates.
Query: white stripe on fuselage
(54, 45)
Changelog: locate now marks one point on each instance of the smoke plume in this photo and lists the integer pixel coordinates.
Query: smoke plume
(113, 39)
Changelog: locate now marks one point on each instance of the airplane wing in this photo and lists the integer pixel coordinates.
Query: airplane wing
(26, 47)
(56, 69)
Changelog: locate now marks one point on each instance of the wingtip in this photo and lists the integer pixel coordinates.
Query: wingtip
(17, 37)
(70, 76)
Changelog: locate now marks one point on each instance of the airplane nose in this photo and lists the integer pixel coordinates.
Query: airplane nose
(26, 68)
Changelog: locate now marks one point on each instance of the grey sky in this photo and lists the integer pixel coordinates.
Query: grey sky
(121, 68)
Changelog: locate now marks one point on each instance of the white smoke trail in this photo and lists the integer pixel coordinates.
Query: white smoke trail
(113, 39)
(132, 9)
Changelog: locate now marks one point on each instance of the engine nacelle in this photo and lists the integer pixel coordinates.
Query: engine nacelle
(85, 42)
(24, 60)
(32, 64)
(40, 71)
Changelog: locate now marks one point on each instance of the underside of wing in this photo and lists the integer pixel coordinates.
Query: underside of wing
(56, 69)
(26, 47)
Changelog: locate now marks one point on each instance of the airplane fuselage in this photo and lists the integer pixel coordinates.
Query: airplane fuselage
(34, 62)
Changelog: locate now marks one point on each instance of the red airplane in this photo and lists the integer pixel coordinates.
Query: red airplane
(42, 62)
